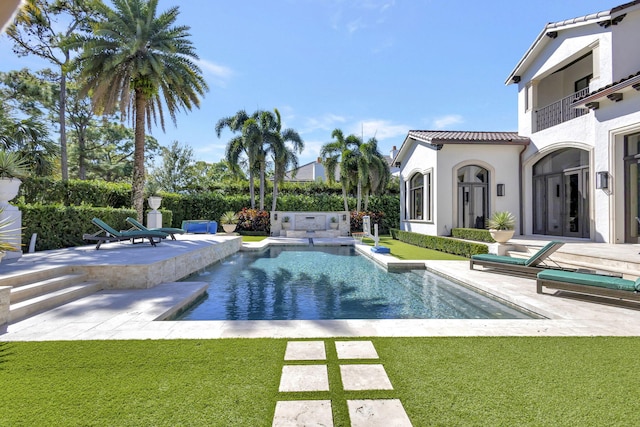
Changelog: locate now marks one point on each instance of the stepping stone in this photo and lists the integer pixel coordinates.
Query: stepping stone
(305, 350)
(364, 377)
(310, 413)
(304, 378)
(377, 413)
(356, 350)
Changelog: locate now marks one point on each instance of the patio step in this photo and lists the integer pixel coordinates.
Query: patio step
(49, 300)
(35, 291)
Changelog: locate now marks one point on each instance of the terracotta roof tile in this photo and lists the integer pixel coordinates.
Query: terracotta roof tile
(466, 137)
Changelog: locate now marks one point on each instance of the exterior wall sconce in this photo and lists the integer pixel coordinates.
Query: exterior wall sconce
(275, 217)
(500, 190)
(344, 217)
(602, 180)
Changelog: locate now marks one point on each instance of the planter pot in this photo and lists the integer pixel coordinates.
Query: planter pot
(9, 188)
(501, 236)
(286, 225)
(229, 228)
(333, 225)
(154, 202)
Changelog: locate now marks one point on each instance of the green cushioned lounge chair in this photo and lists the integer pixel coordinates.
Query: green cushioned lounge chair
(588, 283)
(169, 230)
(527, 267)
(110, 234)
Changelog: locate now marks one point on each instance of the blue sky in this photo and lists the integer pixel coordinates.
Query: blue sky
(369, 67)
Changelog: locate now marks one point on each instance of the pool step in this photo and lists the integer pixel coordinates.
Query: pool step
(37, 291)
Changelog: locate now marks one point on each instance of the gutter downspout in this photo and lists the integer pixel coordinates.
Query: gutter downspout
(521, 195)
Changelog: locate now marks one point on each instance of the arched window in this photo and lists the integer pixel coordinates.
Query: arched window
(416, 196)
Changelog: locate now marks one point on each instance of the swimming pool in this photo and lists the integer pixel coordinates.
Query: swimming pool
(308, 283)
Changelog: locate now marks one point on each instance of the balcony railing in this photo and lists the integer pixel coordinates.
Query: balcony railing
(560, 111)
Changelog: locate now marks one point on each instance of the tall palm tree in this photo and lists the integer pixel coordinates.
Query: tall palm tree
(238, 146)
(283, 155)
(341, 152)
(136, 60)
(373, 171)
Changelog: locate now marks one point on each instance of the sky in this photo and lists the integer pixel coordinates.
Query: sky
(373, 68)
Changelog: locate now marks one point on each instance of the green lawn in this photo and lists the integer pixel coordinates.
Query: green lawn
(253, 238)
(403, 250)
(510, 381)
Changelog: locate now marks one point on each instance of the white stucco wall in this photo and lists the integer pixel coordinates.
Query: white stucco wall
(625, 44)
(500, 160)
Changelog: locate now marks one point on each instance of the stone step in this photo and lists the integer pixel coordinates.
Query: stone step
(50, 300)
(20, 278)
(35, 289)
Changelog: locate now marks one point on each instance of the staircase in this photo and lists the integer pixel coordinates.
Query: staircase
(37, 291)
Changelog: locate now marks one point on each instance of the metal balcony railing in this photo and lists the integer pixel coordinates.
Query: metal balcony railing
(560, 111)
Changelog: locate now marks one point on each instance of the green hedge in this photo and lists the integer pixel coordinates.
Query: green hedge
(442, 244)
(476, 234)
(48, 191)
(63, 226)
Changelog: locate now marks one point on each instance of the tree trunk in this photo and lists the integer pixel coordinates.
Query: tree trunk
(64, 166)
(137, 186)
(359, 196)
(82, 169)
(262, 184)
(252, 190)
(366, 201)
(344, 197)
(275, 195)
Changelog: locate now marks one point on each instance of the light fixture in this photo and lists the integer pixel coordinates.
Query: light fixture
(602, 180)
(344, 217)
(500, 190)
(275, 217)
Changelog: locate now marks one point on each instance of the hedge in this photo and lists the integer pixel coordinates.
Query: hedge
(442, 244)
(63, 226)
(476, 234)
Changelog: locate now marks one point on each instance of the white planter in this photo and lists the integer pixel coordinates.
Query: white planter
(229, 228)
(502, 236)
(333, 225)
(154, 202)
(9, 188)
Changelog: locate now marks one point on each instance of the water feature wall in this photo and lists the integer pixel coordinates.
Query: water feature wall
(310, 224)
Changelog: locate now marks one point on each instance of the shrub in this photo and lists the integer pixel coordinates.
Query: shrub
(477, 234)
(254, 220)
(443, 244)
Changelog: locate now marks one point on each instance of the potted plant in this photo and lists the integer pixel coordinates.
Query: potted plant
(501, 226)
(12, 168)
(229, 221)
(286, 224)
(334, 223)
(153, 198)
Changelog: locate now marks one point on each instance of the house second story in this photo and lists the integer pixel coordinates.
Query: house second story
(576, 66)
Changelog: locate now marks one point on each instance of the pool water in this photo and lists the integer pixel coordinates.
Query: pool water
(307, 283)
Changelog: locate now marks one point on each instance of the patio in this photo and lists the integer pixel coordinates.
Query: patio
(134, 313)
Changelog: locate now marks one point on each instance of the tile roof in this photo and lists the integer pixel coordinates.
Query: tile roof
(462, 137)
(632, 80)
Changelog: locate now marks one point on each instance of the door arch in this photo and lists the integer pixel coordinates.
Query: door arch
(473, 196)
(561, 193)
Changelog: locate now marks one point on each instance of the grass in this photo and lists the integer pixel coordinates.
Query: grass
(253, 238)
(502, 381)
(403, 250)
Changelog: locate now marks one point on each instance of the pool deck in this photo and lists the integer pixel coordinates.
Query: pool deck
(122, 314)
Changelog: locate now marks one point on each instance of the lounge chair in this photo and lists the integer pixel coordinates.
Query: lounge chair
(109, 234)
(169, 230)
(526, 267)
(588, 283)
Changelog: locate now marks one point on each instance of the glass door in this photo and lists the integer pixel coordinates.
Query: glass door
(632, 201)
(575, 204)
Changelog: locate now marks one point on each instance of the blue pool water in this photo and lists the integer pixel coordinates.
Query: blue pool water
(306, 283)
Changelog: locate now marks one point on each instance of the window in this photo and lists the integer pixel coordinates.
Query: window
(583, 83)
(428, 197)
(416, 195)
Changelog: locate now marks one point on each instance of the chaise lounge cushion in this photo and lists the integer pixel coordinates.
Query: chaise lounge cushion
(500, 258)
(597, 280)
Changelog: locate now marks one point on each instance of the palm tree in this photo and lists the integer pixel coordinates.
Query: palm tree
(373, 171)
(341, 152)
(138, 61)
(238, 146)
(283, 155)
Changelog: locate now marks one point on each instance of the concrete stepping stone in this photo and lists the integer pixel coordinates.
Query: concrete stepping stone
(356, 350)
(304, 378)
(377, 413)
(365, 377)
(305, 350)
(308, 413)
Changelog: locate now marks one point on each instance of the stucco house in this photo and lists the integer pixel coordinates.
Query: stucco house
(573, 167)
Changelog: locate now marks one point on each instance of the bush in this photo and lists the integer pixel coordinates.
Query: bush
(48, 191)
(394, 233)
(477, 234)
(254, 220)
(442, 244)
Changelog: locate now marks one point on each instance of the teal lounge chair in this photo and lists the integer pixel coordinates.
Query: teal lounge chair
(526, 267)
(109, 234)
(588, 283)
(169, 230)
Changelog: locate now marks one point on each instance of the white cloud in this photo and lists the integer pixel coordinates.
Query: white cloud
(355, 25)
(381, 129)
(446, 121)
(327, 122)
(220, 73)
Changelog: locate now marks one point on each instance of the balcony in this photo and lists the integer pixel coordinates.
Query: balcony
(559, 112)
